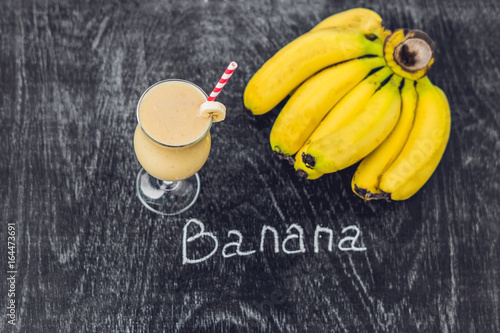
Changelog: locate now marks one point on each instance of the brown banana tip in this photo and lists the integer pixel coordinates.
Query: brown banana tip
(248, 112)
(361, 192)
(282, 156)
(367, 195)
(301, 174)
(386, 196)
(308, 160)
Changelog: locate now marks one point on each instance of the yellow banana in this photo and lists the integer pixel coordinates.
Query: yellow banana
(409, 53)
(313, 99)
(339, 115)
(365, 182)
(299, 60)
(361, 135)
(425, 145)
(363, 19)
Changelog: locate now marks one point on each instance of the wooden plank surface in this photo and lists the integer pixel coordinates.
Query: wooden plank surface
(90, 258)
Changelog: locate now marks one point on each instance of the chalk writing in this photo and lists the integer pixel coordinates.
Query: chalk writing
(194, 232)
(300, 237)
(353, 240)
(263, 238)
(200, 234)
(317, 235)
(236, 244)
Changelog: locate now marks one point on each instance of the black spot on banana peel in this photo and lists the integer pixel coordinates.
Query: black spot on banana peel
(409, 53)
(308, 160)
(371, 37)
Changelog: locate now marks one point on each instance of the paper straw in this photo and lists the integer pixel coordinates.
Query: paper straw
(227, 74)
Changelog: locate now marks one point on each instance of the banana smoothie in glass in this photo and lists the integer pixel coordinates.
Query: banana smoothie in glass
(171, 142)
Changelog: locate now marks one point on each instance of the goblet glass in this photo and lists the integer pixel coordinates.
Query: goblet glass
(171, 143)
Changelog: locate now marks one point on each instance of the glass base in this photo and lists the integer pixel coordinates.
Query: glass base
(167, 197)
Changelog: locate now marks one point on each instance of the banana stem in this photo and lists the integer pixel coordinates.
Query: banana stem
(415, 52)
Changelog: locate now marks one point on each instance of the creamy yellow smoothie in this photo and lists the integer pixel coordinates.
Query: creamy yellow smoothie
(171, 142)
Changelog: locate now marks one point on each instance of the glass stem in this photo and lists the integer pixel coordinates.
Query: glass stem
(167, 185)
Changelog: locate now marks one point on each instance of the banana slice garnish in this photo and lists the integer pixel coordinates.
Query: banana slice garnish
(215, 110)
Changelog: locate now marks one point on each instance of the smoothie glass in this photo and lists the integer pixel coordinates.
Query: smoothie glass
(171, 143)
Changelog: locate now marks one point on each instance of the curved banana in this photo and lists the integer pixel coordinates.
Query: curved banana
(425, 145)
(339, 115)
(409, 53)
(365, 182)
(361, 135)
(363, 19)
(300, 59)
(313, 99)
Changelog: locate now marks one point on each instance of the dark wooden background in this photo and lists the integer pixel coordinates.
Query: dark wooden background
(90, 258)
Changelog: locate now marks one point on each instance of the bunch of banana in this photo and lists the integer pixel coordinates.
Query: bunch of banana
(357, 92)
(404, 162)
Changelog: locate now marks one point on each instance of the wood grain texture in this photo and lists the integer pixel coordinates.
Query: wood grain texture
(90, 258)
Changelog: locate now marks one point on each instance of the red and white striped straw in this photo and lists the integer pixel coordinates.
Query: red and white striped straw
(227, 74)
